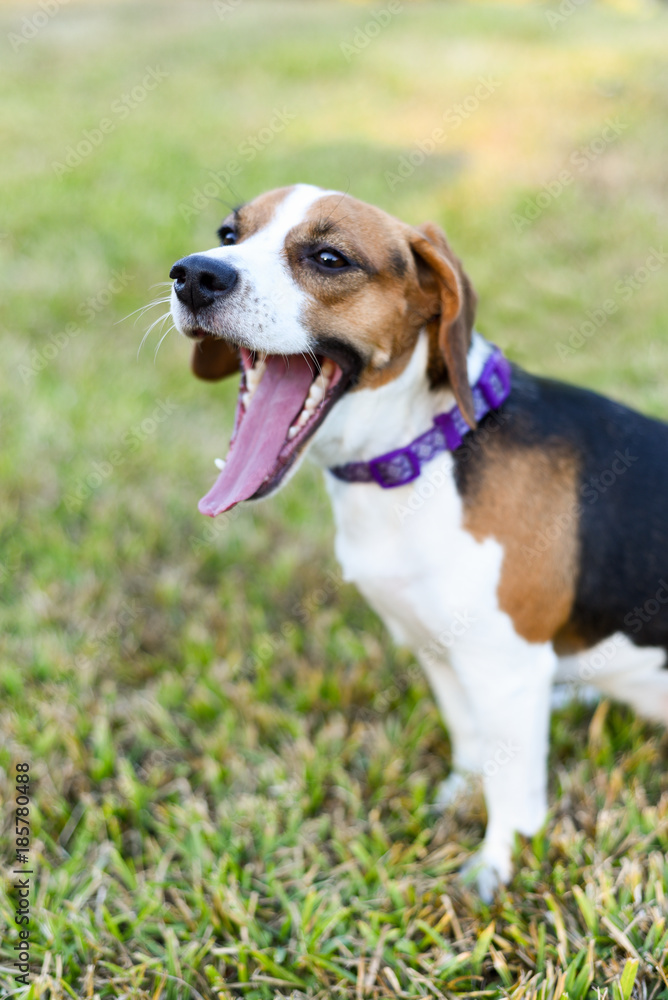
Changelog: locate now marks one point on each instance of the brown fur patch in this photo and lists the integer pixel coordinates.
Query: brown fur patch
(525, 499)
(257, 213)
(456, 311)
(378, 308)
(214, 359)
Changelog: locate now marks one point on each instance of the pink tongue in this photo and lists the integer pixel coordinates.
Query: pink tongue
(262, 433)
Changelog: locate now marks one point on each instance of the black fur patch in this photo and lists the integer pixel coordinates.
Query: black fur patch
(622, 506)
(346, 357)
(398, 266)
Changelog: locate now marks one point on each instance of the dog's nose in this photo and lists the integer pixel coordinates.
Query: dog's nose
(200, 280)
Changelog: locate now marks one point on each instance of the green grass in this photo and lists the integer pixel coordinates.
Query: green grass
(232, 766)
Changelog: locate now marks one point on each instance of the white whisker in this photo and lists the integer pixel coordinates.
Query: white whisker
(143, 309)
(311, 354)
(303, 355)
(165, 334)
(156, 321)
(151, 328)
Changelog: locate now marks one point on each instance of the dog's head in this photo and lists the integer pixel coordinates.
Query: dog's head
(313, 294)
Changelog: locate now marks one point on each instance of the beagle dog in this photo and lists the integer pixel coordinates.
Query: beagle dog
(511, 530)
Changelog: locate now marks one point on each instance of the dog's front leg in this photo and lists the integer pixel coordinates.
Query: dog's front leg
(508, 683)
(463, 730)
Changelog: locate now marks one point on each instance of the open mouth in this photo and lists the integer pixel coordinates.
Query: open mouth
(283, 398)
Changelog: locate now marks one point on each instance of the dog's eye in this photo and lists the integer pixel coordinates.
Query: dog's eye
(227, 236)
(330, 259)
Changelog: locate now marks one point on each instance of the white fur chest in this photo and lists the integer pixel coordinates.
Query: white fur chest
(406, 551)
(405, 548)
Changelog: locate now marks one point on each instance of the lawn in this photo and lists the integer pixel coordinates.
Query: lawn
(231, 766)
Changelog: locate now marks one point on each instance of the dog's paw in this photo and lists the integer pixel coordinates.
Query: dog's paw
(486, 873)
(457, 786)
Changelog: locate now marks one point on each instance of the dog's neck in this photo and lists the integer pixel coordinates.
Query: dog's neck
(372, 421)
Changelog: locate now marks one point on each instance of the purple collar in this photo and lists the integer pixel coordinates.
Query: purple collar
(403, 465)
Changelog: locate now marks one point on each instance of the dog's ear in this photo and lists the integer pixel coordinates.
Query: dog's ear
(213, 358)
(442, 277)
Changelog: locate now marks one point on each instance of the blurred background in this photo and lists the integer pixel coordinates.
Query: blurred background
(232, 765)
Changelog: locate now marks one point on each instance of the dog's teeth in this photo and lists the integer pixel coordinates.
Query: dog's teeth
(253, 375)
(300, 422)
(219, 463)
(316, 392)
(253, 379)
